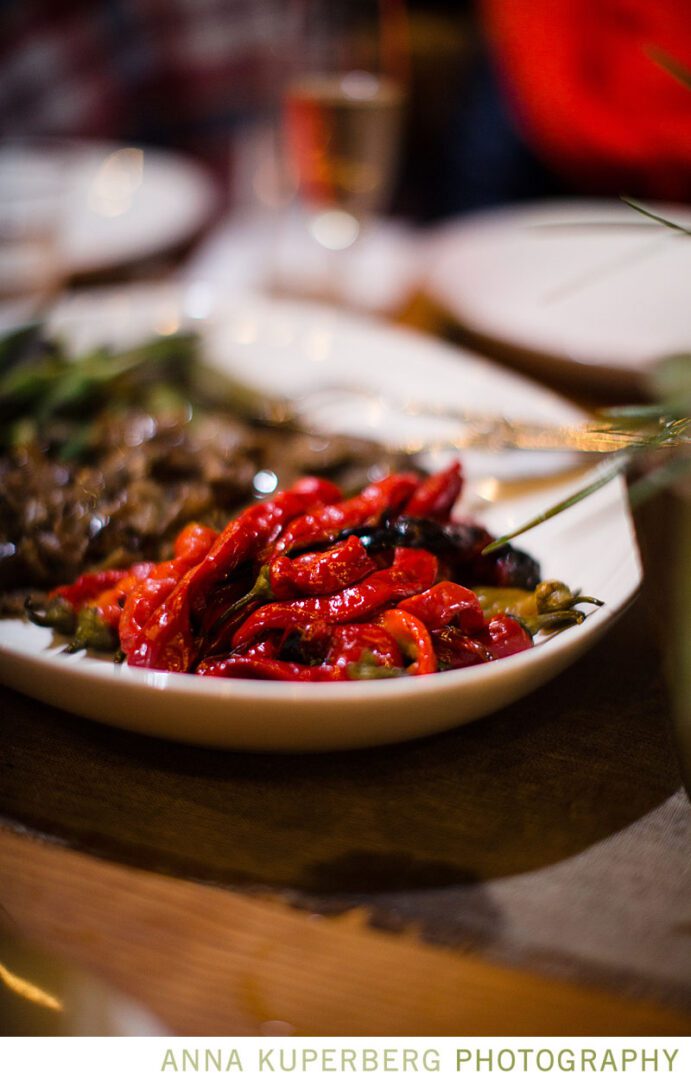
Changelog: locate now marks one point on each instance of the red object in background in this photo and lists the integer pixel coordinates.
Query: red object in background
(585, 83)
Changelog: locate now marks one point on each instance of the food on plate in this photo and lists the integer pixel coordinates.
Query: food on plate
(310, 586)
(105, 456)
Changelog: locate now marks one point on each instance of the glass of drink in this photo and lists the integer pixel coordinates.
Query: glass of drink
(343, 113)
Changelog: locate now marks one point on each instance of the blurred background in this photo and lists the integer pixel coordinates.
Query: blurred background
(507, 100)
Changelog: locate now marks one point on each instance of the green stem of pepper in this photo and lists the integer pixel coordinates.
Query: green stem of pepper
(368, 668)
(551, 607)
(57, 614)
(260, 591)
(92, 633)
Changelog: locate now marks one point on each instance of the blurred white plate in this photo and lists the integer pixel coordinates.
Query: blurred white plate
(593, 285)
(277, 253)
(117, 203)
(290, 347)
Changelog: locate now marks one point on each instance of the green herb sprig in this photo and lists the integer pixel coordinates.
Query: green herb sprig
(673, 433)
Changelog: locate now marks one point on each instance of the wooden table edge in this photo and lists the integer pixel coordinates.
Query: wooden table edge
(209, 961)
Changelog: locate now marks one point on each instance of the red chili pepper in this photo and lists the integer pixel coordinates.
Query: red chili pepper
(109, 602)
(319, 573)
(341, 649)
(190, 547)
(193, 542)
(446, 603)
(373, 502)
(166, 641)
(312, 574)
(413, 570)
(501, 636)
(98, 620)
(251, 667)
(354, 642)
(505, 636)
(262, 524)
(61, 610)
(437, 495)
(456, 649)
(87, 587)
(414, 639)
(266, 649)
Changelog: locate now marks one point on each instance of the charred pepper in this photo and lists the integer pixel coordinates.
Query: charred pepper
(377, 500)
(458, 546)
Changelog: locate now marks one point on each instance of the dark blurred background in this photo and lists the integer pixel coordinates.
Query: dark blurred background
(509, 99)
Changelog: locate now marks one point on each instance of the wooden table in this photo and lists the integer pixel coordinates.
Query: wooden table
(209, 961)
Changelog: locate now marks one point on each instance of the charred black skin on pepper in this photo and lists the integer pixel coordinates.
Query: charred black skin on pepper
(459, 547)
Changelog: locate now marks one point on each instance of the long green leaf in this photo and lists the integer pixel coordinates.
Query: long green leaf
(606, 475)
(670, 64)
(647, 212)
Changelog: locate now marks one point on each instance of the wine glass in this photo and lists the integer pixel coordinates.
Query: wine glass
(343, 114)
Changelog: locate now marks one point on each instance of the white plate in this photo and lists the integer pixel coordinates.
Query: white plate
(288, 345)
(116, 203)
(264, 254)
(593, 285)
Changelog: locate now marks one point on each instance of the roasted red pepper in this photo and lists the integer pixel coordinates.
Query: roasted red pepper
(190, 547)
(456, 649)
(413, 638)
(64, 603)
(501, 636)
(319, 573)
(437, 495)
(255, 667)
(505, 636)
(88, 586)
(446, 603)
(166, 641)
(375, 501)
(342, 590)
(313, 574)
(97, 624)
(357, 643)
(412, 571)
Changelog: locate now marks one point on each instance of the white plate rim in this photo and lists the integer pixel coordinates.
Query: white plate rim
(445, 246)
(91, 242)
